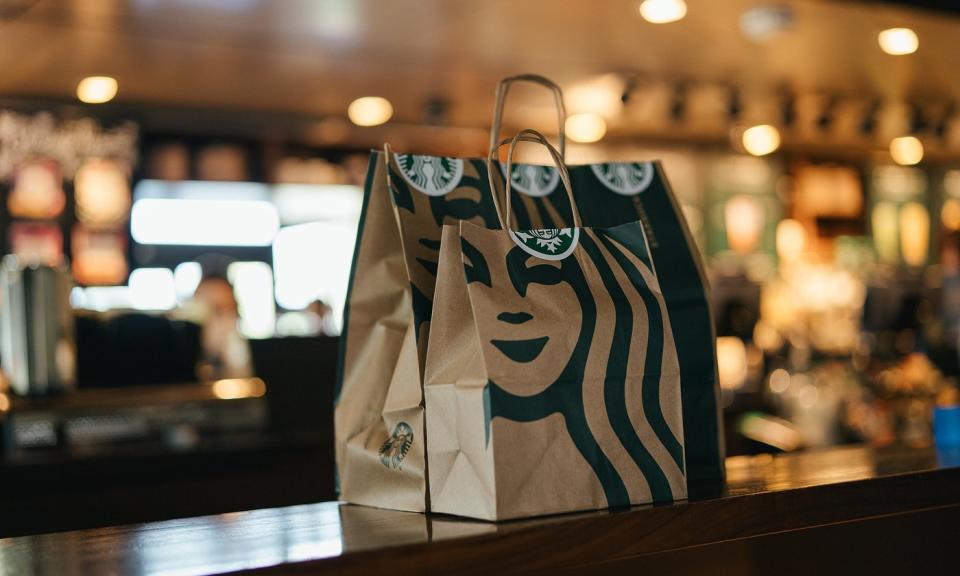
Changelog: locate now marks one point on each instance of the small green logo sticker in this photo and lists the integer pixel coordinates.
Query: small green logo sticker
(547, 243)
(397, 445)
(533, 180)
(627, 179)
(432, 175)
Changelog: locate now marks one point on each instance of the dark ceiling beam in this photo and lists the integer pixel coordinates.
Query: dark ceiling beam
(945, 6)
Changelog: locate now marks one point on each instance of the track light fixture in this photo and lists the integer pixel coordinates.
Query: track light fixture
(918, 121)
(943, 124)
(868, 126)
(826, 117)
(788, 110)
(734, 105)
(678, 102)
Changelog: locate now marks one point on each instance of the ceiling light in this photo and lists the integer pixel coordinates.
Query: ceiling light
(97, 89)
(370, 111)
(586, 127)
(906, 150)
(761, 140)
(898, 41)
(663, 11)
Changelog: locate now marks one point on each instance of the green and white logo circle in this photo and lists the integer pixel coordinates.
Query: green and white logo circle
(432, 175)
(547, 243)
(624, 178)
(533, 180)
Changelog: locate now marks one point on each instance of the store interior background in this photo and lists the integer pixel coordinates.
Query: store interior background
(819, 174)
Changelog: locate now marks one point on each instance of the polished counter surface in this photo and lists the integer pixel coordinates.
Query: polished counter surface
(847, 488)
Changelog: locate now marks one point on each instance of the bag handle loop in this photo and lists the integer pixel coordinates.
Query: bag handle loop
(527, 135)
(501, 96)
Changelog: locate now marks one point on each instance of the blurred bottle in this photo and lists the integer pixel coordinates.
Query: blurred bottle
(37, 345)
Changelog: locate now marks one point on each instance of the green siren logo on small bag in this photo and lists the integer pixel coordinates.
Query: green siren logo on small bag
(547, 243)
(432, 175)
(533, 180)
(627, 179)
(397, 445)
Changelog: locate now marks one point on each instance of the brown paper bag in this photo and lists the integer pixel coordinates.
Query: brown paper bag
(407, 198)
(551, 381)
(379, 415)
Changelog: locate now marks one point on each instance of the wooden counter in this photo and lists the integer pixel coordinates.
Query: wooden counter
(853, 508)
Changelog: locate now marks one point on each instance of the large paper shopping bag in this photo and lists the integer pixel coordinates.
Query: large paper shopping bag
(609, 194)
(552, 382)
(407, 198)
(612, 193)
(379, 414)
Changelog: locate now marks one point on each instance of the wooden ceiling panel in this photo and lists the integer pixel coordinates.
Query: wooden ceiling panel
(311, 58)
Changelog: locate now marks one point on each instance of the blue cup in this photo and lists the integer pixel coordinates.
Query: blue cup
(946, 426)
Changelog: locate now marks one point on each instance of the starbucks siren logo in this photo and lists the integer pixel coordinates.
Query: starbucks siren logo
(548, 243)
(397, 445)
(533, 180)
(626, 179)
(432, 175)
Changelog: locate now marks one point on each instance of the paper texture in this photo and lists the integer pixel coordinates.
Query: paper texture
(551, 386)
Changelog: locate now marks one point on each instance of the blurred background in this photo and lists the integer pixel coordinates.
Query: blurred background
(181, 181)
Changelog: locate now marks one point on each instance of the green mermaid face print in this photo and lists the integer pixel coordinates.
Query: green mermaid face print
(533, 180)
(567, 336)
(422, 214)
(432, 175)
(547, 243)
(395, 449)
(624, 178)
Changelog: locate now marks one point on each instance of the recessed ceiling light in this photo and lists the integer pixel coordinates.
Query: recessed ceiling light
(97, 89)
(587, 127)
(370, 111)
(906, 150)
(761, 140)
(898, 41)
(663, 11)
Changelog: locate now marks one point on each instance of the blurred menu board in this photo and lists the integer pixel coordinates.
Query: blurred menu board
(37, 243)
(99, 256)
(65, 193)
(37, 191)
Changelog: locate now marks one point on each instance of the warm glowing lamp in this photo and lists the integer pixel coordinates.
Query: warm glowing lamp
(743, 216)
(906, 150)
(761, 140)
(731, 362)
(97, 89)
(791, 240)
(914, 233)
(370, 111)
(898, 41)
(586, 127)
(950, 214)
(663, 11)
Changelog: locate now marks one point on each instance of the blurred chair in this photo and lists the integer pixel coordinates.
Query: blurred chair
(300, 373)
(135, 349)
